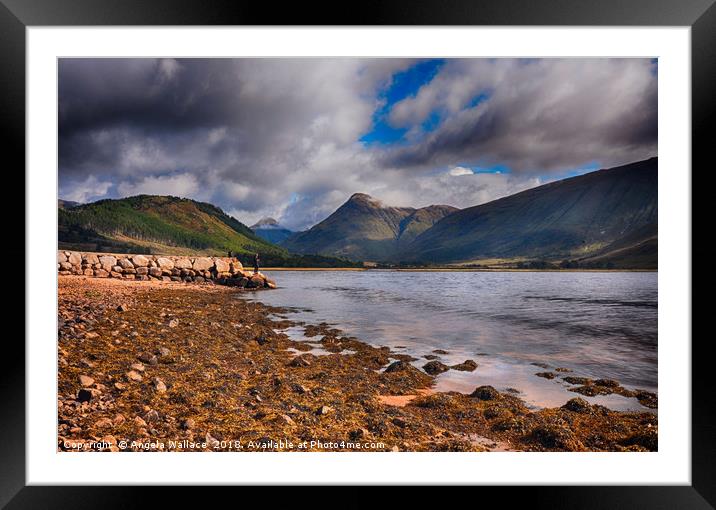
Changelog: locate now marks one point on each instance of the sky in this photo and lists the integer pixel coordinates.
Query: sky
(293, 139)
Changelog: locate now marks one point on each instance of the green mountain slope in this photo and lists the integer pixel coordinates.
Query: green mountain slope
(365, 229)
(599, 214)
(167, 225)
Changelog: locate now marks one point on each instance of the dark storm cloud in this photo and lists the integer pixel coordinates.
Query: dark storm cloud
(538, 116)
(280, 137)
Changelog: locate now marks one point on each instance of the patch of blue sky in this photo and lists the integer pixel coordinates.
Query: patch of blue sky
(590, 166)
(404, 84)
(479, 98)
(491, 169)
(432, 122)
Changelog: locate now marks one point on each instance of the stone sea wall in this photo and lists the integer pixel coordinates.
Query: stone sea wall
(221, 270)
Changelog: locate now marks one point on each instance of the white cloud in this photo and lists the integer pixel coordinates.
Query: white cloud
(89, 189)
(460, 170)
(545, 115)
(180, 185)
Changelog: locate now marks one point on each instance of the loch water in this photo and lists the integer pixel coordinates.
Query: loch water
(513, 324)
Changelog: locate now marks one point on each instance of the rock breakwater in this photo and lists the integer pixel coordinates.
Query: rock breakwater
(222, 270)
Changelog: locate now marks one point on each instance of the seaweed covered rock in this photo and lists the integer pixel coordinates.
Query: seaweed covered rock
(435, 367)
(577, 380)
(401, 378)
(647, 399)
(578, 405)
(435, 401)
(555, 436)
(398, 366)
(485, 393)
(466, 366)
(648, 439)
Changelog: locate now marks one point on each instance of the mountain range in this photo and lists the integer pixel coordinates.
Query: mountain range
(606, 218)
(607, 215)
(270, 230)
(365, 229)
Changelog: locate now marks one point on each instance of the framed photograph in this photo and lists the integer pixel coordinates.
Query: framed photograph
(433, 244)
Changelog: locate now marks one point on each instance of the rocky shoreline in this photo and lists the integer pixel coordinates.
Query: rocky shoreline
(165, 366)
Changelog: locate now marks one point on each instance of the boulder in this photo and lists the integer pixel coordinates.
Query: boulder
(165, 263)
(324, 410)
(88, 272)
(466, 366)
(84, 395)
(398, 366)
(255, 282)
(159, 385)
(303, 360)
(100, 273)
(132, 375)
(182, 263)
(75, 258)
(155, 271)
(148, 357)
(221, 266)
(236, 266)
(108, 262)
(61, 257)
(140, 261)
(202, 264)
(125, 264)
(86, 381)
(90, 258)
(65, 266)
(142, 270)
(435, 367)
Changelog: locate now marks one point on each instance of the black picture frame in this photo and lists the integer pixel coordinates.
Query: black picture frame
(700, 15)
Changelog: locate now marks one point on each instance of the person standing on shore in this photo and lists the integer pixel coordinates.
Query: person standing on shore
(256, 263)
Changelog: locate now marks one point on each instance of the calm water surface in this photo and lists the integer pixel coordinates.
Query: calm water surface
(596, 324)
